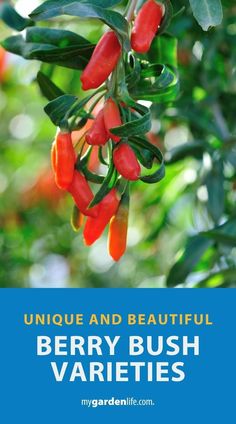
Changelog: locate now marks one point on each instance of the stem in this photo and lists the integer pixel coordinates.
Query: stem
(90, 110)
(131, 10)
(126, 195)
(118, 72)
(96, 102)
(113, 81)
(80, 139)
(83, 103)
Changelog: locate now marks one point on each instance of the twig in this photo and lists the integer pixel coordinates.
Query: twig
(132, 7)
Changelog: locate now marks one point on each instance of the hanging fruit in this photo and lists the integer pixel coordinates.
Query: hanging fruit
(146, 26)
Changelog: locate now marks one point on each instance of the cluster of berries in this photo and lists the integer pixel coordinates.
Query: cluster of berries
(113, 208)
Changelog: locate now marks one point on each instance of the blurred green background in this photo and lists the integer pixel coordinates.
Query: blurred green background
(197, 133)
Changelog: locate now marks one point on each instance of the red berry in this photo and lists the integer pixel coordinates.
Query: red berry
(126, 162)
(146, 26)
(104, 59)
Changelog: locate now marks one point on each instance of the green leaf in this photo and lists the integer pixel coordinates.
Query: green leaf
(53, 6)
(47, 87)
(107, 185)
(133, 71)
(90, 176)
(225, 234)
(11, 18)
(82, 165)
(158, 83)
(218, 279)
(138, 126)
(59, 47)
(167, 17)
(56, 37)
(58, 108)
(194, 149)
(101, 157)
(194, 250)
(208, 13)
(145, 156)
(84, 9)
(159, 174)
(65, 107)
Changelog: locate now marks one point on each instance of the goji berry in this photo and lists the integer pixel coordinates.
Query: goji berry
(103, 61)
(94, 227)
(126, 162)
(112, 118)
(63, 157)
(117, 239)
(146, 26)
(98, 135)
(82, 194)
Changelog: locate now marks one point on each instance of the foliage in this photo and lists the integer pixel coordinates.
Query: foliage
(183, 231)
